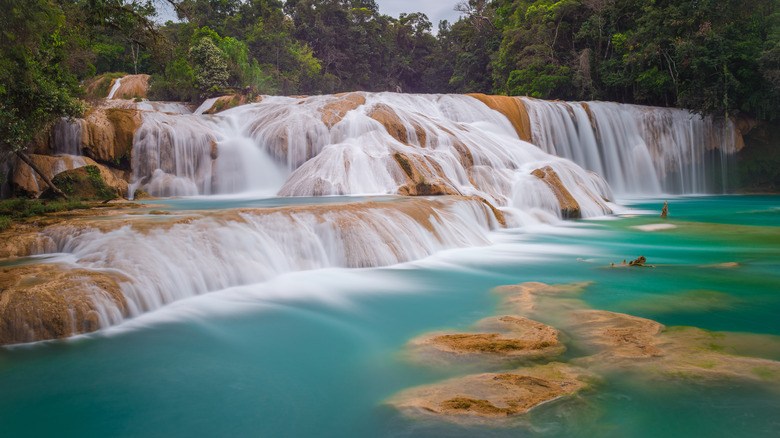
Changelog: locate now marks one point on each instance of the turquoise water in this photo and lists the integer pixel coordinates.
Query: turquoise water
(316, 353)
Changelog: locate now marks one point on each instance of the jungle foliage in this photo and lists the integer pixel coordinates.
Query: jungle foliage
(720, 57)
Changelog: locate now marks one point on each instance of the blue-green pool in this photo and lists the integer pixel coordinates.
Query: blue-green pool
(314, 354)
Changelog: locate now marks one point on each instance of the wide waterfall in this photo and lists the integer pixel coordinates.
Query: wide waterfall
(637, 149)
(360, 143)
(367, 144)
(185, 255)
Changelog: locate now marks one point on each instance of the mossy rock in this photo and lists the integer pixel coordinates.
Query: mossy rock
(82, 183)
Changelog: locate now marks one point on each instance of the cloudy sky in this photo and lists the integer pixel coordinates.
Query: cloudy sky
(436, 10)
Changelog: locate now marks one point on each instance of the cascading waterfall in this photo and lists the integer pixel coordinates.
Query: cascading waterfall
(365, 144)
(637, 149)
(183, 258)
(117, 84)
(67, 136)
(361, 143)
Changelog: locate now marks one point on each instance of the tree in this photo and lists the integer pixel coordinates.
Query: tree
(36, 89)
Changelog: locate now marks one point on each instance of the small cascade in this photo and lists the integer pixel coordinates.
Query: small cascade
(182, 258)
(67, 137)
(637, 149)
(114, 88)
(173, 155)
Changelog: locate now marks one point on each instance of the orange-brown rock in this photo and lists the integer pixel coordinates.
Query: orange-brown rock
(491, 395)
(570, 209)
(24, 181)
(494, 340)
(536, 299)
(620, 334)
(131, 87)
(498, 214)
(416, 182)
(108, 135)
(23, 243)
(336, 109)
(394, 126)
(49, 301)
(513, 109)
(229, 101)
(626, 343)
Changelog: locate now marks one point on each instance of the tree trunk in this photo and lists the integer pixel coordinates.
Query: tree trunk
(22, 156)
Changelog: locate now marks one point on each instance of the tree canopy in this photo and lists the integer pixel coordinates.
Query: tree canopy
(719, 57)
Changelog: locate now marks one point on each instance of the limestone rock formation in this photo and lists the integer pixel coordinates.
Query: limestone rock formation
(570, 209)
(335, 110)
(395, 127)
(26, 182)
(24, 242)
(108, 135)
(416, 182)
(495, 339)
(131, 87)
(231, 101)
(49, 301)
(492, 395)
(91, 182)
(513, 109)
(619, 342)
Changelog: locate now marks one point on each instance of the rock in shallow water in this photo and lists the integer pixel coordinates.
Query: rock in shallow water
(495, 340)
(492, 395)
(48, 301)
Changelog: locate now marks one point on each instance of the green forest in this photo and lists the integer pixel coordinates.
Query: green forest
(719, 57)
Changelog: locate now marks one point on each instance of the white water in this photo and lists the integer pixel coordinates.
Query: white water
(67, 137)
(117, 83)
(171, 261)
(281, 145)
(638, 150)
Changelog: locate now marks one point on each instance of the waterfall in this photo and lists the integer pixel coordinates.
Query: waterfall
(637, 149)
(67, 137)
(114, 88)
(184, 257)
(359, 143)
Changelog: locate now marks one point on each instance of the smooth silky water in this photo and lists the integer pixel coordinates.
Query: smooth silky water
(315, 353)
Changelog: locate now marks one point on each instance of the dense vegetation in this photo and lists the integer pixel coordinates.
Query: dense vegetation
(715, 56)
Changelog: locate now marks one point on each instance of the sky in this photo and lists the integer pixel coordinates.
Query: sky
(436, 10)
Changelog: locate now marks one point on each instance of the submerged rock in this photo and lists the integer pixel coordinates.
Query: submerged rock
(48, 301)
(495, 339)
(618, 342)
(492, 395)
